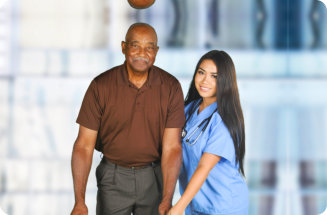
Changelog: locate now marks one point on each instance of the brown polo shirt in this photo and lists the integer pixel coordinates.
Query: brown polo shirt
(131, 121)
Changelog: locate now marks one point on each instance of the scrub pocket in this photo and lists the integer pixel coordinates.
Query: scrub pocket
(197, 148)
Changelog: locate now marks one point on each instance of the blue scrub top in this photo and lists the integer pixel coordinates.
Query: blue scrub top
(224, 191)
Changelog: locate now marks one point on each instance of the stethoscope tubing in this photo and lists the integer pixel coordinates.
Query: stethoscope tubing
(206, 121)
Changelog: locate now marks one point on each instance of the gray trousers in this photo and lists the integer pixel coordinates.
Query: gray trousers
(122, 191)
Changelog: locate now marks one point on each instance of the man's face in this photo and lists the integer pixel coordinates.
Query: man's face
(140, 49)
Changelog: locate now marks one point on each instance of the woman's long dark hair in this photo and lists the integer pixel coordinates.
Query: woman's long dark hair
(228, 101)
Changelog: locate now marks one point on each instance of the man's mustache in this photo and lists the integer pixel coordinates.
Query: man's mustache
(141, 58)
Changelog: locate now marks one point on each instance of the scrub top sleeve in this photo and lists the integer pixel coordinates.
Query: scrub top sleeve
(220, 142)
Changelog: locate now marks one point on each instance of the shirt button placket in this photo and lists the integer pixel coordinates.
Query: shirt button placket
(138, 103)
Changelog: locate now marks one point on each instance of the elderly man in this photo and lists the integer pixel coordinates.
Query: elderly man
(137, 111)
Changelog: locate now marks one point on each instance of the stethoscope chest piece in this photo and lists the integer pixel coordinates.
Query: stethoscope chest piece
(205, 122)
(184, 132)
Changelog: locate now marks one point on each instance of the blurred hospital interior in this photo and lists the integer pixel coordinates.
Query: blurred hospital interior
(50, 50)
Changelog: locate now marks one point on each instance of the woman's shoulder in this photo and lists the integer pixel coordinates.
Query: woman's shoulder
(217, 120)
(191, 104)
(188, 106)
(218, 126)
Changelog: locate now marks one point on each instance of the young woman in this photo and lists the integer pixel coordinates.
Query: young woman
(211, 179)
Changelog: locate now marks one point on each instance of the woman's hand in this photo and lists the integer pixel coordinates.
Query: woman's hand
(175, 211)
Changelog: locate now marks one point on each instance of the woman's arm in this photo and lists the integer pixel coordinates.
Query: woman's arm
(207, 162)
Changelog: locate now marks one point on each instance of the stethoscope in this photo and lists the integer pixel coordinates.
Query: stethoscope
(204, 122)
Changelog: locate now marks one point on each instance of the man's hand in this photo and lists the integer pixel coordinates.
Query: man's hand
(79, 209)
(164, 207)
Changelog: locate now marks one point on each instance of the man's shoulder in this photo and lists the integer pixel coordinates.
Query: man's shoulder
(108, 74)
(166, 77)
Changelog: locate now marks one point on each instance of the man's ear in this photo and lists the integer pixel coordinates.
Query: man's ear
(123, 47)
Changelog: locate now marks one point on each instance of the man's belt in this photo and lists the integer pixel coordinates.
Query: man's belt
(152, 164)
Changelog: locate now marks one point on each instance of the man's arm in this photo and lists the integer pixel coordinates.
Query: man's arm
(81, 165)
(171, 160)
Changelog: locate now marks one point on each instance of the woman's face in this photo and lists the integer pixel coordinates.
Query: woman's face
(206, 80)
